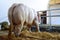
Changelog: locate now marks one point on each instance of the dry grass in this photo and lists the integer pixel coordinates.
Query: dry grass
(26, 35)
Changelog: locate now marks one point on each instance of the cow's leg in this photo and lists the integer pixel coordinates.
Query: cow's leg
(21, 27)
(29, 27)
(10, 31)
(25, 26)
(37, 25)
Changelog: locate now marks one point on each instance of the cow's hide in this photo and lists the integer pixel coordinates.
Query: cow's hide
(21, 15)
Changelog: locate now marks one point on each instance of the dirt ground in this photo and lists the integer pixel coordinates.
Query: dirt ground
(26, 35)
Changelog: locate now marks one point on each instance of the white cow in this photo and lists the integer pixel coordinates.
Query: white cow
(20, 15)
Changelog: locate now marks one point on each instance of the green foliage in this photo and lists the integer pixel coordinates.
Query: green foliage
(4, 25)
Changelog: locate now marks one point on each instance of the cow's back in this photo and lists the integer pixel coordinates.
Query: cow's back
(31, 16)
(19, 14)
(10, 11)
(24, 13)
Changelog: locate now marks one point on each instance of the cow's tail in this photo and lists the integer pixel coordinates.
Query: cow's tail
(10, 15)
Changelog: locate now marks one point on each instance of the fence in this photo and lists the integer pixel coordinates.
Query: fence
(50, 16)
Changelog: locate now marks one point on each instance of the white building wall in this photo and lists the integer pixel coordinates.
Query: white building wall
(48, 21)
(54, 20)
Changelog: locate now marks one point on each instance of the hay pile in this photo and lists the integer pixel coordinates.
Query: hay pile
(26, 35)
